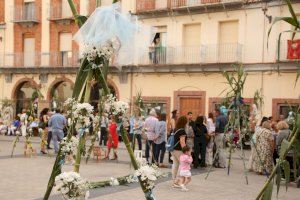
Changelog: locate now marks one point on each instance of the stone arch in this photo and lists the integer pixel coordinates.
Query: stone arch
(20, 83)
(55, 83)
(114, 86)
(19, 103)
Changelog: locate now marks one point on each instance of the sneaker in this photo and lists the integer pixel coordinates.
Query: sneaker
(176, 185)
(183, 188)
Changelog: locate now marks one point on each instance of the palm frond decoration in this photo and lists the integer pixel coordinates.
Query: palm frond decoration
(138, 103)
(258, 99)
(293, 21)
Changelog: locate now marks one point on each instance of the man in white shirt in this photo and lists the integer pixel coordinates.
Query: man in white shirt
(150, 124)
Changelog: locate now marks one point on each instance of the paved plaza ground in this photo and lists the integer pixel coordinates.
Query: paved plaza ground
(26, 179)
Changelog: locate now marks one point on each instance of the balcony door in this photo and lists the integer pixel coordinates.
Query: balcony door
(191, 49)
(228, 42)
(29, 11)
(29, 52)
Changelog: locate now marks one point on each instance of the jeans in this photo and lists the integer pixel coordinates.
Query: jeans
(160, 150)
(150, 145)
(138, 137)
(103, 136)
(57, 136)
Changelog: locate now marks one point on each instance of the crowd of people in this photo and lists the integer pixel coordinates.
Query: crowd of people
(195, 144)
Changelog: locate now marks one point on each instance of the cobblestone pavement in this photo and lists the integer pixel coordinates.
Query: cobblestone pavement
(26, 179)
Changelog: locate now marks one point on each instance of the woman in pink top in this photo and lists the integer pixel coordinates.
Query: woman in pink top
(185, 167)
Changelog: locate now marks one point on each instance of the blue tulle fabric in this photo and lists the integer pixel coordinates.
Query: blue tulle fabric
(108, 22)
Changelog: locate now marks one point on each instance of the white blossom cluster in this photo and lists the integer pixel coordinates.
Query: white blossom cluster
(114, 182)
(106, 51)
(83, 112)
(114, 107)
(69, 147)
(148, 173)
(71, 185)
(69, 106)
(132, 179)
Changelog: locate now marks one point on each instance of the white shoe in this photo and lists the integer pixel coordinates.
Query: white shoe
(183, 188)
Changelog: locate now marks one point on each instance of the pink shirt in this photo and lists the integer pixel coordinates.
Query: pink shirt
(185, 162)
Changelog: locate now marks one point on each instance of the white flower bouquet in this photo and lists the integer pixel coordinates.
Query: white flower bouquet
(114, 107)
(69, 147)
(148, 174)
(71, 185)
(101, 53)
(83, 113)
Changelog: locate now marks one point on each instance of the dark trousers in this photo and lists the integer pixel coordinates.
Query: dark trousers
(150, 145)
(169, 154)
(49, 138)
(139, 140)
(103, 136)
(199, 149)
(160, 151)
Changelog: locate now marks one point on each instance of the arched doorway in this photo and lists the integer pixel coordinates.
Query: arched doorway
(60, 92)
(23, 95)
(96, 93)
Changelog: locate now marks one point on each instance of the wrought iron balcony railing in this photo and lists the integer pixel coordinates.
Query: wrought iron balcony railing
(159, 5)
(28, 12)
(40, 59)
(204, 54)
(58, 12)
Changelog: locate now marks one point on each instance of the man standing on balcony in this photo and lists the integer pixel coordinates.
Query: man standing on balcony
(57, 123)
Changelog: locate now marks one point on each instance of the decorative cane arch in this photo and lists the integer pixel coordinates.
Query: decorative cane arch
(19, 96)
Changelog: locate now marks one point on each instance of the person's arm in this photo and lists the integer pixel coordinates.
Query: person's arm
(182, 141)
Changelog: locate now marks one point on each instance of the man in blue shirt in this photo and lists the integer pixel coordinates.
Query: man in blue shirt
(221, 122)
(57, 123)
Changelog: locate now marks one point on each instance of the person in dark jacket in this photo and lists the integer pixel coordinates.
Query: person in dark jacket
(200, 142)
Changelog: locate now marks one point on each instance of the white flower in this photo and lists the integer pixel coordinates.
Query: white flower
(114, 182)
(69, 147)
(114, 107)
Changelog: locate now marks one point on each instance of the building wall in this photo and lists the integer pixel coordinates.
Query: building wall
(252, 34)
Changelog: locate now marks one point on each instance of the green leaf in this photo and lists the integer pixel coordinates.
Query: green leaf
(296, 146)
(81, 79)
(287, 173)
(278, 178)
(295, 165)
(284, 147)
(292, 12)
(268, 192)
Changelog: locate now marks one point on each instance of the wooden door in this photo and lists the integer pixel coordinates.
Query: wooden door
(191, 104)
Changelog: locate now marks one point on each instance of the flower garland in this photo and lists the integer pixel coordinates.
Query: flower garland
(72, 185)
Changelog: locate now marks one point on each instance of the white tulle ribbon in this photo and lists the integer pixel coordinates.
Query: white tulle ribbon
(109, 22)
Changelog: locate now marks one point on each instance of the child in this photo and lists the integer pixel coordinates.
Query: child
(112, 141)
(185, 167)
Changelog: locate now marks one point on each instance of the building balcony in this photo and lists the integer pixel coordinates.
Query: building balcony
(60, 13)
(191, 55)
(144, 7)
(26, 14)
(39, 59)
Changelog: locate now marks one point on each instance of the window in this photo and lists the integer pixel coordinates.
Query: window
(65, 48)
(158, 49)
(284, 106)
(66, 11)
(159, 106)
